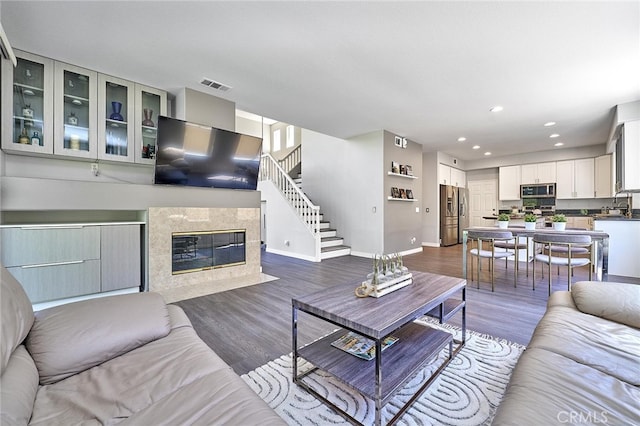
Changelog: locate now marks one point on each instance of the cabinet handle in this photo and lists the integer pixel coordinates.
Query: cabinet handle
(41, 265)
(37, 227)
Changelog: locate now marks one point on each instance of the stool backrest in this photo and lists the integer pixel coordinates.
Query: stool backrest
(578, 239)
(490, 235)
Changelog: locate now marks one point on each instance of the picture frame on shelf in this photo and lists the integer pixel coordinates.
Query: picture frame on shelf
(409, 170)
(395, 167)
(395, 193)
(403, 170)
(403, 194)
(409, 194)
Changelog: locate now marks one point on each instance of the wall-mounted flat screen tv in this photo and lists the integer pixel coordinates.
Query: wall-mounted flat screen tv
(195, 155)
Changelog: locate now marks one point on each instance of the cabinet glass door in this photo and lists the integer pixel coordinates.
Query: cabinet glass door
(75, 111)
(150, 103)
(27, 119)
(115, 112)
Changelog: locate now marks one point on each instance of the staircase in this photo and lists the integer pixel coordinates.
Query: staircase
(328, 244)
(331, 245)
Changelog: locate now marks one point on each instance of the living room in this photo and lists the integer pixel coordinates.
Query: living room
(346, 163)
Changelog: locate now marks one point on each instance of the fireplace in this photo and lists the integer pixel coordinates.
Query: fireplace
(204, 250)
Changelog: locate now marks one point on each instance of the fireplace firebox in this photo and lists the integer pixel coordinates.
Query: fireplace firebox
(203, 250)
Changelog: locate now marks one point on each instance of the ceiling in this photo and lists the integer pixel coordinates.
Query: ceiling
(427, 71)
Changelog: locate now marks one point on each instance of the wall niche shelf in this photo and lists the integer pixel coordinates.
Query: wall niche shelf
(401, 175)
(402, 199)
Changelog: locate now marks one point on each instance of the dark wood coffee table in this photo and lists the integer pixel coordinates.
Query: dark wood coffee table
(377, 318)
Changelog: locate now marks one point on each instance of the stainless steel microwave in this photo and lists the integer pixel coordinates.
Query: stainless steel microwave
(538, 190)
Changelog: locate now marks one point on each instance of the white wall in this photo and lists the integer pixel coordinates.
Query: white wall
(202, 108)
(431, 200)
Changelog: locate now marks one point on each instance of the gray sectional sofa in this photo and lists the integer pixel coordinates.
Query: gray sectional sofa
(127, 359)
(582, 365)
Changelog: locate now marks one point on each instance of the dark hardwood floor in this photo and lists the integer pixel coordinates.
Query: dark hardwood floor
(250, 326)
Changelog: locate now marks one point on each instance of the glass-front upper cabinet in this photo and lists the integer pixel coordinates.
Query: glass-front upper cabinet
(150, 103)
(115, 119)
(76, 114)
(27, 115)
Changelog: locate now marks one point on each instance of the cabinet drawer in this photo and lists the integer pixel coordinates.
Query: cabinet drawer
(121, 258)
(44, 283)
(42, 245)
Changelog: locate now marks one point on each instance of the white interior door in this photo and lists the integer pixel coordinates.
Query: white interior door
(483, 201)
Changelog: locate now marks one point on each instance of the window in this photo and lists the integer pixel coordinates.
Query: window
(276, 141)
(291, 140)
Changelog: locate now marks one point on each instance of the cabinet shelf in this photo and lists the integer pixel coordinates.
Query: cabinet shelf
(402, 199)
(116, 123)
(77, 128)
(27, 87)
(35, 120)
(401, 175)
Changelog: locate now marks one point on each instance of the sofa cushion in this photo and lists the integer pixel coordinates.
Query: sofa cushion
(68, 339)
(16, 316)
(546, 388)
(18, 388)
(607, 346)
(173, 378)
(617, 302)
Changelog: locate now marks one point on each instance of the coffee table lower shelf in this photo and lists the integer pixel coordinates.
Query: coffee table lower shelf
(417, 345)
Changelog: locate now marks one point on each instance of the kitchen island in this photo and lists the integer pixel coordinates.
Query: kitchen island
(624, 244)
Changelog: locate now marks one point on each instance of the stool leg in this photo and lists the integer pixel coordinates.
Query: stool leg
(515, 281)
(549, 273)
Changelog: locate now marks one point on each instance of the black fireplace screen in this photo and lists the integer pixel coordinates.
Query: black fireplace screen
(198, 251)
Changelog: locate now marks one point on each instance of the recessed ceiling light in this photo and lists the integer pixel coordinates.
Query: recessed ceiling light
(487, 153)
(462, 139)
(549, 123)
(496, 108)
(558, 144)
(476, 147)
(554, 135)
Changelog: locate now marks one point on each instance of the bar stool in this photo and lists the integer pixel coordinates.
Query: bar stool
(490, 237)
(516, 246)
(561, 244)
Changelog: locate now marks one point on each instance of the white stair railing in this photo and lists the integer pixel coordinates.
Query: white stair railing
(292, 159)
(306, 210)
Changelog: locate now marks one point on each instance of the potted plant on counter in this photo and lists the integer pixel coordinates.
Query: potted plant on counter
(559, 222)
(530, 221)
(503, 220)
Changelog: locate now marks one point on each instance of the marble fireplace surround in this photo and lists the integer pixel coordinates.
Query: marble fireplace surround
(163, 221)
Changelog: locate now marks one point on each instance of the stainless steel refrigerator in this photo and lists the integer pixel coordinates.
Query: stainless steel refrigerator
(463, 211)
(448, 215)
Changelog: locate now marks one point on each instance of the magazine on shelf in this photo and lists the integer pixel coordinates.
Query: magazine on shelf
(360, 346)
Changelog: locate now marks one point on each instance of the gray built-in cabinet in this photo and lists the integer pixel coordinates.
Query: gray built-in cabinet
(62, 261)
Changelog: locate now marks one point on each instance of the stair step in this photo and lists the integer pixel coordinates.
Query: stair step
(327, 233)
(331, 242)
(326, 226)
(334, 251)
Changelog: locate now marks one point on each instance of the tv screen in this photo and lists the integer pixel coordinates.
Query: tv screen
(195, 155)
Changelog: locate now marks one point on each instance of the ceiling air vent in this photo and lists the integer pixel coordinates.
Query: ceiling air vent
(215, 84)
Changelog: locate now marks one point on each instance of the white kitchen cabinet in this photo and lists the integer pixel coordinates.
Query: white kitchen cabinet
(451, 176)
(75, 117)
(115, 119)
(27, 116)
(538, 173)
(628, 157)
(509, 183)
(575, 179)
(604, 176)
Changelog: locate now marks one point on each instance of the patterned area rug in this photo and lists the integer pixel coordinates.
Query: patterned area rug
(466, 393)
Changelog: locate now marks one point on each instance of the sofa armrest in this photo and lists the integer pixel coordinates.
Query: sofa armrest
(68, 339)
(619, 302)
(178, 317)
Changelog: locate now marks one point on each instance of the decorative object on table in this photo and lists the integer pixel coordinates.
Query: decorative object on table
(388, 275)
(503, 220)
(559, 222)
(35, 139)
(27, 112)
(117, 107)
(148, 114)
(72, 119)
(24, 137)
(530, 221)
(395, 167)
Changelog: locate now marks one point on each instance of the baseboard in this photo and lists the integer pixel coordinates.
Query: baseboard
(290, 254)
(370, 255)
(425, 244)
